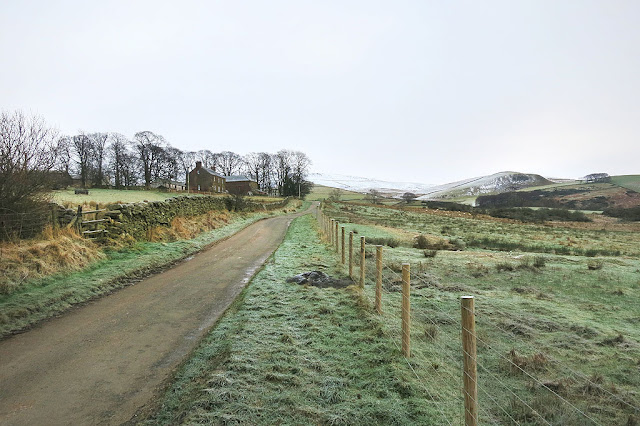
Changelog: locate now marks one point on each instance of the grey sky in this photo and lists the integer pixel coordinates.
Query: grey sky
(426, 91)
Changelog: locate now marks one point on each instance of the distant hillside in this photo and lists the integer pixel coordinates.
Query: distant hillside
(495, 183)
(361, 184)
(631, 182)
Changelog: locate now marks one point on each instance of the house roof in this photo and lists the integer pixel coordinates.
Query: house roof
(238, 178)
(211, 172)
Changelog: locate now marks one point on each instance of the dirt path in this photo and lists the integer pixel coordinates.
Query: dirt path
(101, 363)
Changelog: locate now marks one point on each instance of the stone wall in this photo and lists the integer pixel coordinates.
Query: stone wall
(136, 219)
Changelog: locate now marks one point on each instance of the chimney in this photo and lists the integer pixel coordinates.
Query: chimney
(198, 164)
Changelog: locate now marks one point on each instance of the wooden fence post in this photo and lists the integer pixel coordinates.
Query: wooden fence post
(79, 220)
(343, 253)
(379, 279)
(331, 231)
(336, 235)
(350, 253)
(362, 261)
(55, 223)
(406, 310)
(469, 361)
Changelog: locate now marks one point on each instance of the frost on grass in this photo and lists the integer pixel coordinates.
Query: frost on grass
(318, 279)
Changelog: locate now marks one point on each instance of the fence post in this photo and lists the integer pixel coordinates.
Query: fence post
(331, 231)
(362, 261)
(79, 219)
(406, 310)
(350, 253)
(336, 235)
(343, 253)
(379, 279)
(469, 360)
(54, 216)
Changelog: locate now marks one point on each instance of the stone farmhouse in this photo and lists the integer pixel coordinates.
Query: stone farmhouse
(203, 179)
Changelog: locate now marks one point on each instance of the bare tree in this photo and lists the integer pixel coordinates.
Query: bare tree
(373, 196)
(81, 149)
(150, 149)
(265, 180)
(228, 163)
(98, 151)
(63, 155)
(186, 162)
(27, 154)
(208, 158)
(282, 169)
(335, 194)
(118, 158)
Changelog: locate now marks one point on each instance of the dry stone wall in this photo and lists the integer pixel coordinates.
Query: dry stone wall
(136, 219)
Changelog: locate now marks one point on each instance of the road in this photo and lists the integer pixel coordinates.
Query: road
(104, 362)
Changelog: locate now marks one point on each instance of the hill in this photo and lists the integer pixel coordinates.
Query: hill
(362, 184)
(495, 183)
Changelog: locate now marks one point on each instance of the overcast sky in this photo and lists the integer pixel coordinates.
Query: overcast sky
(423, 91)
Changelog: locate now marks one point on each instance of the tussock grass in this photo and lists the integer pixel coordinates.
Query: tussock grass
(59, 250)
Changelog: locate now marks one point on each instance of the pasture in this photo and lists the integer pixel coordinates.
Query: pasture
(557, 317)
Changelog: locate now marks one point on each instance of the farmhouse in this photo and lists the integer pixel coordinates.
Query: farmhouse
(204, 179)
(241, 185)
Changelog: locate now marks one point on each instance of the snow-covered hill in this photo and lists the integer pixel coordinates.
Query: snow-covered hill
(361, 184)
(498, 182)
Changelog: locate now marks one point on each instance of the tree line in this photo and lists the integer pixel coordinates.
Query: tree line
(34, 156)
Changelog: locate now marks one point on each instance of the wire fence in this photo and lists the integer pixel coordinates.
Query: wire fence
(21, 225)
(515, 380)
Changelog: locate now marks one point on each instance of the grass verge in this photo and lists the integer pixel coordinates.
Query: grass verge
(290, 354)
(43, 298)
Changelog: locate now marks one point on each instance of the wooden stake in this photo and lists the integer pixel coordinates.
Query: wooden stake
(337, 240)
(343, 253)
(406, 310)
(362, 261)
(469, 360)
(379, 279)
(331, 230)
(351, 254)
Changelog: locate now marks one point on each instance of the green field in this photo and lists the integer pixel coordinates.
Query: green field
(110, 196)
(320, 192)
(558, 337)
(627, 181)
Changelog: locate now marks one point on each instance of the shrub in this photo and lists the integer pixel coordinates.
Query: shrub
(505, 266)
(383, 241)
(457, 243)
(477, 270)
(594, 265)
(430, 253)
(422, 242)
(539, 261)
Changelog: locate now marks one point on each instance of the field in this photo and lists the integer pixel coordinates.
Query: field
(109, 196)
(627, 181)
(557, 322)
(320, 192)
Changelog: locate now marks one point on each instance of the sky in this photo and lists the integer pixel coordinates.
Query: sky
(419, 91)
